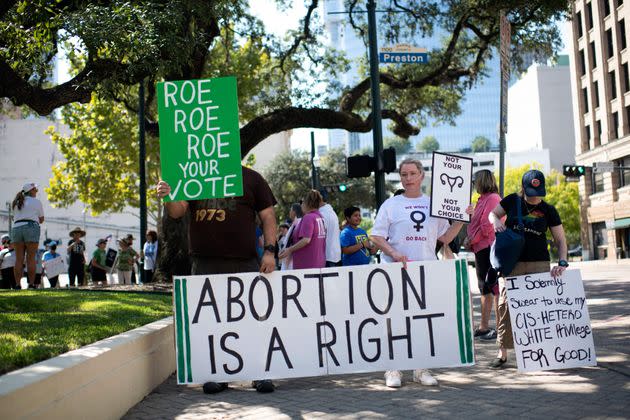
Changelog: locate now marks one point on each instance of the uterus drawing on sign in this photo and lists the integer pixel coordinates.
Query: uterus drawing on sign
(452, 181)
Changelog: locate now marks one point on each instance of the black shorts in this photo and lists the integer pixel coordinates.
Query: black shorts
(486, 275)
(218, 265)
(98, 274)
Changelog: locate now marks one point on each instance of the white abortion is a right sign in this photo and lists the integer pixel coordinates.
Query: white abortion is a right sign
(550, 321)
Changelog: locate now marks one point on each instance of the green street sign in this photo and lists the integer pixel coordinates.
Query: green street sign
(200, 144)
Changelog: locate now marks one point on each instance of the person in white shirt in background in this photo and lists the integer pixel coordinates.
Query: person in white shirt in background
(295, 214)
(333, 246)
(405, 231)
(7, 266)
(149, 255)
(28, 213)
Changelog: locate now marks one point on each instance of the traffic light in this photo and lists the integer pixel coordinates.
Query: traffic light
(359, 166)
(389, 160)
(573, 171)
(334, 188)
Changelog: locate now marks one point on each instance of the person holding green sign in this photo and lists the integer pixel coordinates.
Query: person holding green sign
(222, 233)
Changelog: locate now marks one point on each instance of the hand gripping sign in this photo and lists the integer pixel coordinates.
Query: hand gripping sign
(315, 322)
(451, 181)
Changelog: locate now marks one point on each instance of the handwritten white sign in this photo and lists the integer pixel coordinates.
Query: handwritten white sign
(550, 322)
(451, 180)
(314, 322)
(54, 267)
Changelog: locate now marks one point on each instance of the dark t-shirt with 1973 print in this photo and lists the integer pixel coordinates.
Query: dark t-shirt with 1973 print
(226, 227)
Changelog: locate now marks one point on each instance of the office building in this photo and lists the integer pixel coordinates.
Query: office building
(600, 84)
(540, 112)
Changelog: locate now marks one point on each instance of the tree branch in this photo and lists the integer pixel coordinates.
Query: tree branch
(289, 118)
(44, 101)
(306, 35)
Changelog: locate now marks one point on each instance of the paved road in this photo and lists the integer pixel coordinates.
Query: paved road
(471, 393)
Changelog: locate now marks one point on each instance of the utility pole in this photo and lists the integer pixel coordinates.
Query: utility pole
(9, 209)
(505, 35)
(377, 128)
(143, 184)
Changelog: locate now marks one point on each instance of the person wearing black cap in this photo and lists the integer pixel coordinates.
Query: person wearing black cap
(537, 216)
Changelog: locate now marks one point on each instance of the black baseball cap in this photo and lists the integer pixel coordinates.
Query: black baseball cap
(534, 183)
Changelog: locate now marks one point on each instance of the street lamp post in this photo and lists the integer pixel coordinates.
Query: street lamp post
(142, 174)
(9, 208)
(377, 128)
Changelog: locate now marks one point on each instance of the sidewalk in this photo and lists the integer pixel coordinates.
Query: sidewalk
(471, 393)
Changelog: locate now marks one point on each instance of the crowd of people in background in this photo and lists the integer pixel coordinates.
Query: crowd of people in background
(20, 254)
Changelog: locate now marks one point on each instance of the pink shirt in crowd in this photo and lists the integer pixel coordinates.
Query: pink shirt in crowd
(312, 255)
(480, 230)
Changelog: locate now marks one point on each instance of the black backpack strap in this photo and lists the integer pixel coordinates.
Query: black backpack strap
(519, 214)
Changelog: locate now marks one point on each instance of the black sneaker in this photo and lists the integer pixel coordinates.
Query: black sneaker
(479, 333)
(264, 386)
(491, 335)
(497, 363)
(214, 387)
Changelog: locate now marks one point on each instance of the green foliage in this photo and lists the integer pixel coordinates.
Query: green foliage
(481, 144)
(36, 325)
(565, 198)
(428, 144)
(250, 161)
(400, 144)
(288, 176)
(366, 225)
(101, 152)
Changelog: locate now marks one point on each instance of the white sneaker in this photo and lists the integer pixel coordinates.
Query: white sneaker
(393, 378)
(424, 377)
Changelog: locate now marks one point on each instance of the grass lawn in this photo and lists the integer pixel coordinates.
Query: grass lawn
(36, 325)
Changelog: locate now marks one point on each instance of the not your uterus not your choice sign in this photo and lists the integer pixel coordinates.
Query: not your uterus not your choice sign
(451, 180)
(313, 322)
(550, 321)
(200, 146)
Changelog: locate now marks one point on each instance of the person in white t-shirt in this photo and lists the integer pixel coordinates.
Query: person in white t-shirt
(149, 255)
(333, 246)
(405, 231)
(28, 213)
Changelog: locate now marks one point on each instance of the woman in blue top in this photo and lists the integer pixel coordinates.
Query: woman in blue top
(356, 248)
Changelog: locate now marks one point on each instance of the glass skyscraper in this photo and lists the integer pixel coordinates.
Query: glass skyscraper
(480, 106)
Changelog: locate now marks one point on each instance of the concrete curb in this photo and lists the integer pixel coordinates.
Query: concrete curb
(99, 381)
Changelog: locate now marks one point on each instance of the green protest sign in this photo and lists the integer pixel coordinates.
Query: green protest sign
(200, 144)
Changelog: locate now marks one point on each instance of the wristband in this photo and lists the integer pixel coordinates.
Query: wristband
(563, 263)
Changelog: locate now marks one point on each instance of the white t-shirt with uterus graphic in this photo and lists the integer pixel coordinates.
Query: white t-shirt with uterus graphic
(409, 229)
